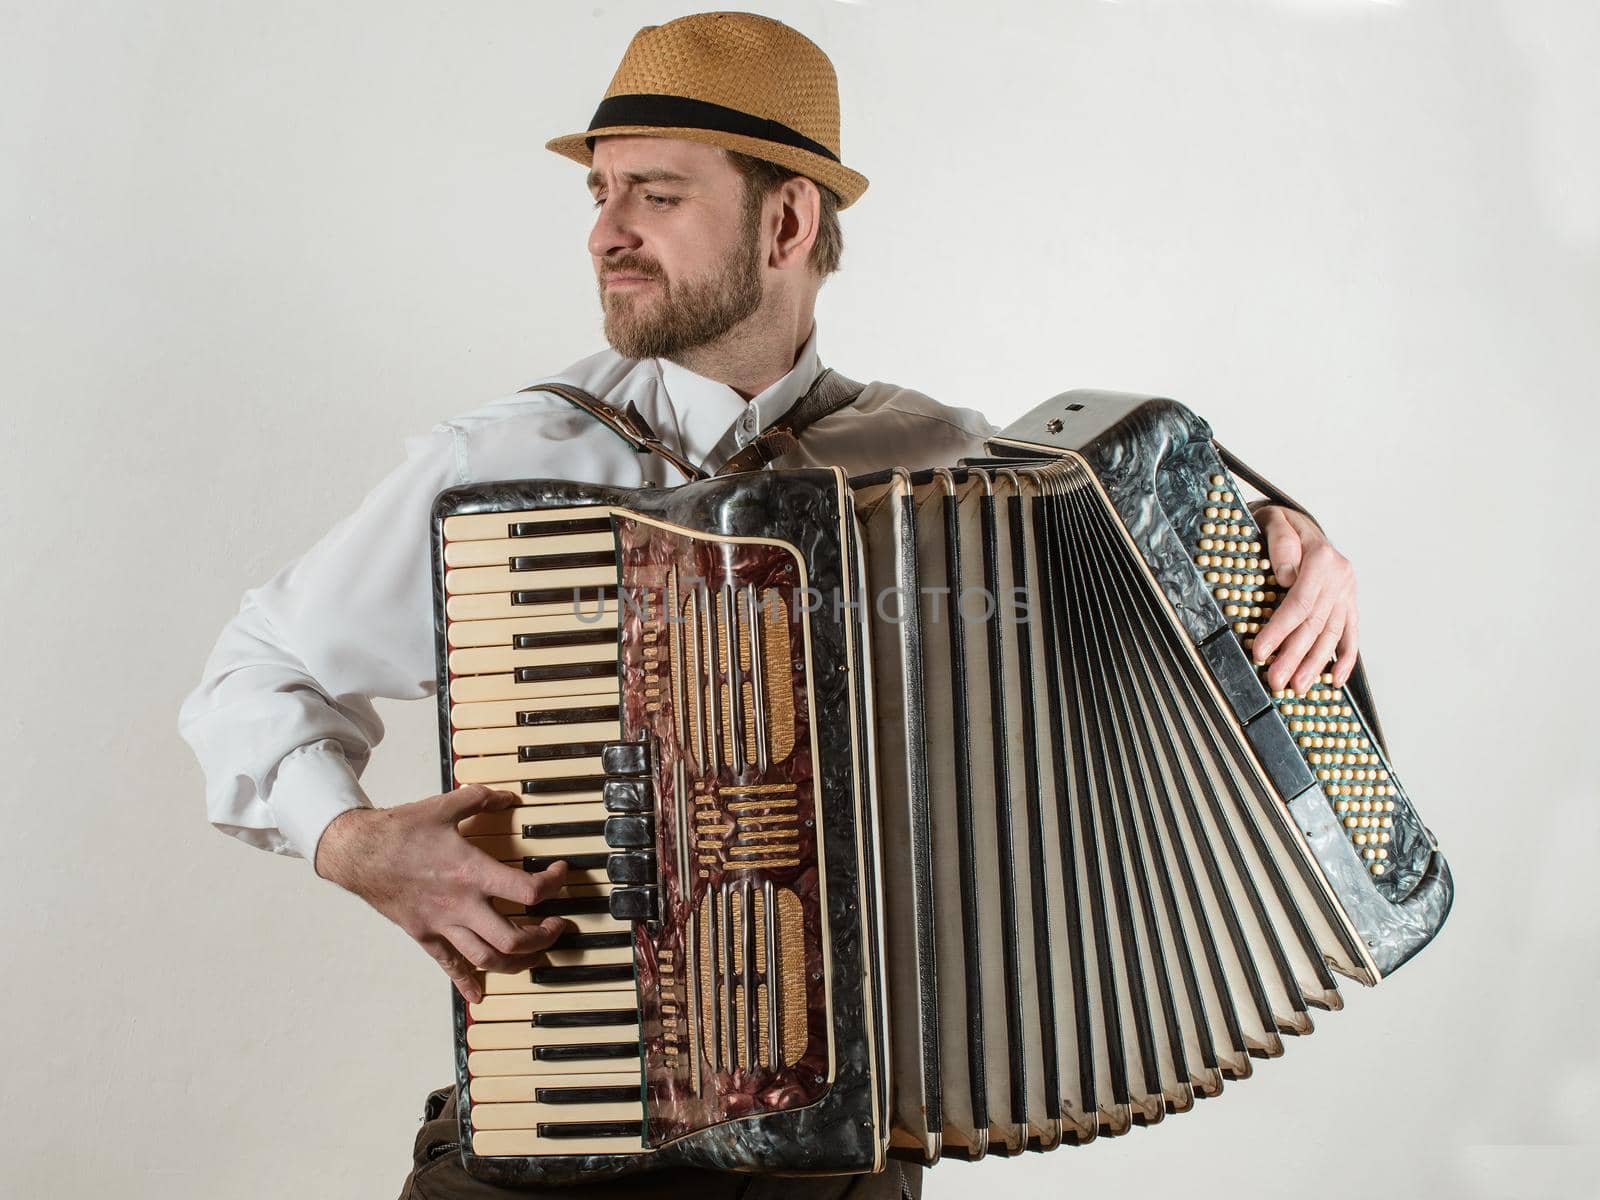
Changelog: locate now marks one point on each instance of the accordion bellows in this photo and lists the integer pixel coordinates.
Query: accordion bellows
(933, 813)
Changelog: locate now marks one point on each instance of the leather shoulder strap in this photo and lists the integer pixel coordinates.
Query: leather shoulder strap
(1255, 479)
(630, 427)
(828, 393)
(1358, 685)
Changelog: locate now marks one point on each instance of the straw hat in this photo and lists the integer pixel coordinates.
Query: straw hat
(731, 79)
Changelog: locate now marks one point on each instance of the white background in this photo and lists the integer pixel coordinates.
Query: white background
(245, 248)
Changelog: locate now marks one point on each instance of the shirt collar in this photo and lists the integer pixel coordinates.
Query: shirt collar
(713, 420)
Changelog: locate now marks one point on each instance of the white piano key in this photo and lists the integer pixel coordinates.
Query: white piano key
(506, 768)
(525, 1062)
(522, 983)
(530, 1116)
(499, 606)
(524, 1035)
(600, 615)
(505, 714)
(500, 1142)
(571, 890)
(598, 922)
(578, 793)
(588, 956)
(473, 689)
(485, 552)
(522, 1006)
(509, 821)
(508, 741)
(513, 847)
(476, 526)
(466, 580)
(493, 660)
(522, 1089)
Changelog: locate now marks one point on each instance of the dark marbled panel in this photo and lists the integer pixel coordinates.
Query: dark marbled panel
(1155, 460)
(1391, 932)
(1148, 453)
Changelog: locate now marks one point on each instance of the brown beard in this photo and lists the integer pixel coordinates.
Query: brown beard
(675, 318)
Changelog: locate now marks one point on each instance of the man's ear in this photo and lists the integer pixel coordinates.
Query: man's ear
(799, 216)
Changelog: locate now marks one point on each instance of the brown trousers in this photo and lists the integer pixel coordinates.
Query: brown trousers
(437, 1174)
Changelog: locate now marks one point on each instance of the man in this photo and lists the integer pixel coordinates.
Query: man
(715, 172)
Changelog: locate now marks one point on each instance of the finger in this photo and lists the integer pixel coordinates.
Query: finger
(473, 798)
(1284, 547)
(524, 887)
(508, 937)
(1345, 655)
(456, 967)
(1292, 611)
(1291, 655)
(478, 952)
(1321, 651)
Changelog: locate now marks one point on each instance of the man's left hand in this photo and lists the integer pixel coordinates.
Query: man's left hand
(1316, 619)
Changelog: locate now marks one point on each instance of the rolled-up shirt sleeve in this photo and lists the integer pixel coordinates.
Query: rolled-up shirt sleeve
(282, 721)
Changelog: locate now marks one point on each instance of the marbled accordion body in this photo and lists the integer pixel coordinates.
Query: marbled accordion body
(934, 813)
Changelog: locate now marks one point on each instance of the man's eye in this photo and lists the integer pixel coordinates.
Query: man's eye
(655, 201)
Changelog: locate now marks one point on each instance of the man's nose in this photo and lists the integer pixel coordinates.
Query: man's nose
(612, 232)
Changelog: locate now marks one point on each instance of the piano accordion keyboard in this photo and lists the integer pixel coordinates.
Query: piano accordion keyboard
(553, 1053)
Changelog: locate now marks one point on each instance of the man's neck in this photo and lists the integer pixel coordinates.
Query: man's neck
(749, 360)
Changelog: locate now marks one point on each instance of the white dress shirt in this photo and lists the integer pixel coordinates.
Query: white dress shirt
(282, 720)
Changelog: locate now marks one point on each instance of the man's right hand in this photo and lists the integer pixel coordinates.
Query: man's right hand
(411, 864)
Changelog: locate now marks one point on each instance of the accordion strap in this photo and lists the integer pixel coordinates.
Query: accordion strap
(1357, 683)
(627, 425)
(828, 393)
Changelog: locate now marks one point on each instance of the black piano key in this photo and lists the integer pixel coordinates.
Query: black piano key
(569, 906)
(569, 716)
(563, 562)
(569, 783)
(589, 1129)
(611, 939)
(575, 862)
(591, 1053)
(630, 832)
(555, 753)
(563, 637)
(568, 595)
(586, 1095)
(561, 671)
(586, 1020)
(592, 973)
(552, 829)
(534, 529)
(628, 796)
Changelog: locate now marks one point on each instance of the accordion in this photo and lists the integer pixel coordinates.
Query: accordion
(926, 813)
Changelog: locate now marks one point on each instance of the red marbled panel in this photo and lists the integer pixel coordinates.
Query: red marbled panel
(675, 1105)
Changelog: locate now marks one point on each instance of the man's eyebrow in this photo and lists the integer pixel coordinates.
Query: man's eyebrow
(654, 175)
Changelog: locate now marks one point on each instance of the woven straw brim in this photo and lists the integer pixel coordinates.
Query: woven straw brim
(845, 183)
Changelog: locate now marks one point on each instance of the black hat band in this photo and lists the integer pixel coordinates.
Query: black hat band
(682, 112)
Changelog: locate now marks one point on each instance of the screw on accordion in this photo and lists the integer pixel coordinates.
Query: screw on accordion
(933, 813)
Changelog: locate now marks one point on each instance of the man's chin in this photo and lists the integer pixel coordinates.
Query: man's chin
(632, 343)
